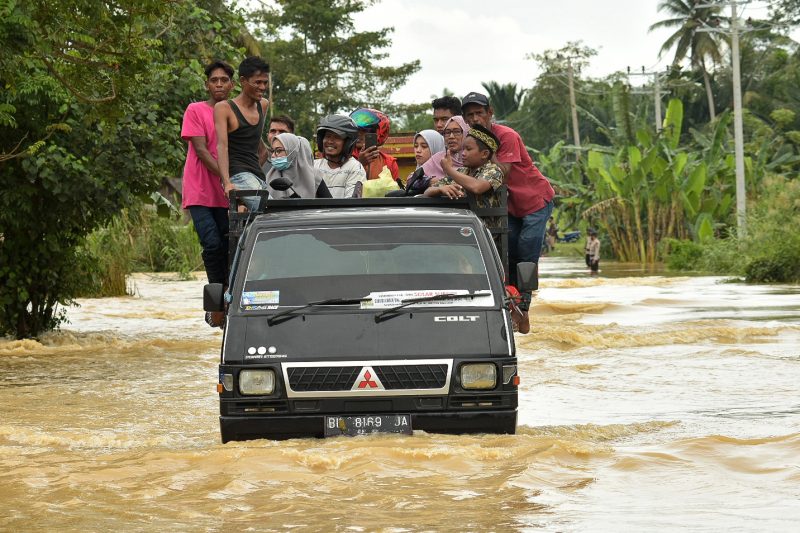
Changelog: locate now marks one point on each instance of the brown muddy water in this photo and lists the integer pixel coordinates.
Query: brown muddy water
(648, 403)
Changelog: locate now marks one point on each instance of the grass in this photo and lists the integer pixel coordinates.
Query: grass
(139, 240)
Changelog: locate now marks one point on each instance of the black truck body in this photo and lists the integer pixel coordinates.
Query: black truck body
(359, 316)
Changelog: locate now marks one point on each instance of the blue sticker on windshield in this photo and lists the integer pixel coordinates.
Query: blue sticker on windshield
(260, 297)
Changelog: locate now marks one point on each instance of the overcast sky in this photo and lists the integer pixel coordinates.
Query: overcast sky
(461, 43)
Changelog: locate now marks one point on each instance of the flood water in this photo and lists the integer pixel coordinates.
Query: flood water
(647, 403)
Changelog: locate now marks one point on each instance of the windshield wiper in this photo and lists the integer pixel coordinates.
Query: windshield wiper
(295, 311)
(396, 310)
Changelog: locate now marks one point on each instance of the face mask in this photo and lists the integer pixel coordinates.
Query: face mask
(281, 163)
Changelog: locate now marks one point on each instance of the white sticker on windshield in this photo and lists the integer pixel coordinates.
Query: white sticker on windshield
(385, 299)
(260, 297)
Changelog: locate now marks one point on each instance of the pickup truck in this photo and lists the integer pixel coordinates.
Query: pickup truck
(355, 316)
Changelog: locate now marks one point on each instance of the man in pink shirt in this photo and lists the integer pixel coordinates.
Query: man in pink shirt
(530, 195)
(203, 194)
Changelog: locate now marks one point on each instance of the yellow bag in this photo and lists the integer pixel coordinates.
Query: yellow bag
(378, 187)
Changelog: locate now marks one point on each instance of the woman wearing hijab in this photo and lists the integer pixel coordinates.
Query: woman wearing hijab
(292, 159)
(426, 143)
(455, 131)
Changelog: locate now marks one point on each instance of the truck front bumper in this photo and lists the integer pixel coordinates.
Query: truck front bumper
(286, 427)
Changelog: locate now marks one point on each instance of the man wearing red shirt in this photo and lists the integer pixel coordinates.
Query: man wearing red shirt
(530, 195)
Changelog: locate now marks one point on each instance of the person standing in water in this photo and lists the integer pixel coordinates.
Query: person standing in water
(593, 252)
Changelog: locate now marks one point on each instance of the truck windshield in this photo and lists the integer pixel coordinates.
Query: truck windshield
(294, 267)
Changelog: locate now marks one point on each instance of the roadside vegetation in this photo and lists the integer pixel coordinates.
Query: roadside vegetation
(769, 253)
(139, 239)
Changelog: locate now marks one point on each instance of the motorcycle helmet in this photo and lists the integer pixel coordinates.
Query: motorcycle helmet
(372, 121)
(342, 126)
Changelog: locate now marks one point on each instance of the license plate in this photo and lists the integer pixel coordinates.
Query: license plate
(366, 424)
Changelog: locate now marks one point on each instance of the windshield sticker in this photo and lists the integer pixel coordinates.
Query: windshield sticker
(466, 232)
(386, 299)
(260, 297)
(258, 307)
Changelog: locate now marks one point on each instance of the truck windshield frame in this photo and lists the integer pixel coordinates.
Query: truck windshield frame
(291, 267)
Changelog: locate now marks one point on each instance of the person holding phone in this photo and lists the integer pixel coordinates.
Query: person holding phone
(373, 130)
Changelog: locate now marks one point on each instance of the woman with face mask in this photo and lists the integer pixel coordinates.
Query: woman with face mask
(292, 159)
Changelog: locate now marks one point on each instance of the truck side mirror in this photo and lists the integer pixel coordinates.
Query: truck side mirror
(281, 183)
(527, 276)
(213, 297)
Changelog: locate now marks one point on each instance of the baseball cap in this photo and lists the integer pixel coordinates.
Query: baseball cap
(475, 98)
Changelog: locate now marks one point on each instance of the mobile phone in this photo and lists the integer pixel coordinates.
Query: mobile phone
(370, 139)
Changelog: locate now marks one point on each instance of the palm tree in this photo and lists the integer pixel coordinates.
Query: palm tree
(689, 18)
(505, 99)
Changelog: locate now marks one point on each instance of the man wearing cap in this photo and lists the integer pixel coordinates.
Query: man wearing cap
(530, 195)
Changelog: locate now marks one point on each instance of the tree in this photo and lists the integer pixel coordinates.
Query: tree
(505, 99)
(543, 118)
(691, 37)
(320, 64)
(92, 96)
(787, 11)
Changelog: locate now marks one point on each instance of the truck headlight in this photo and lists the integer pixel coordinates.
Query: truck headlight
(478, 376)
(256, 381)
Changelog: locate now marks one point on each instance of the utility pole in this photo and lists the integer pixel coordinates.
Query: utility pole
(576, 135)
(657, 94)
(573, 107)
(738, 132)
(271, 105)
(657, 101)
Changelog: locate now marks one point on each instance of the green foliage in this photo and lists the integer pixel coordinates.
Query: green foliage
(573, 195)
(505, 98)
(320, 64)
(777, 268)
(683, 255)
(138, 239)
(413, 117)
(771, 250)
(92, 97)
(543, 117)
(692, 18)
(111, 253)
(655, 189)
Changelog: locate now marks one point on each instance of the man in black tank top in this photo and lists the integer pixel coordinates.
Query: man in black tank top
(240, 124)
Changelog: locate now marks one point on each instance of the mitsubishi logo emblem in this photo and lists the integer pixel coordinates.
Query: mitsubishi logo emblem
(367, 381)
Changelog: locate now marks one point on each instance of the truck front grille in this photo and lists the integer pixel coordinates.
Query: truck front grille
(322, 378)
(342, 378)
(396, 377)
(346, 379)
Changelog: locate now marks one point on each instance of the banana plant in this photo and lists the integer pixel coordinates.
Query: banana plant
(654, 188)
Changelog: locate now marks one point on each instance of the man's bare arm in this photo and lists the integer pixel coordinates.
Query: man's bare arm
(263, 150)
(221, 111)
(204, 155)
(263, 153)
